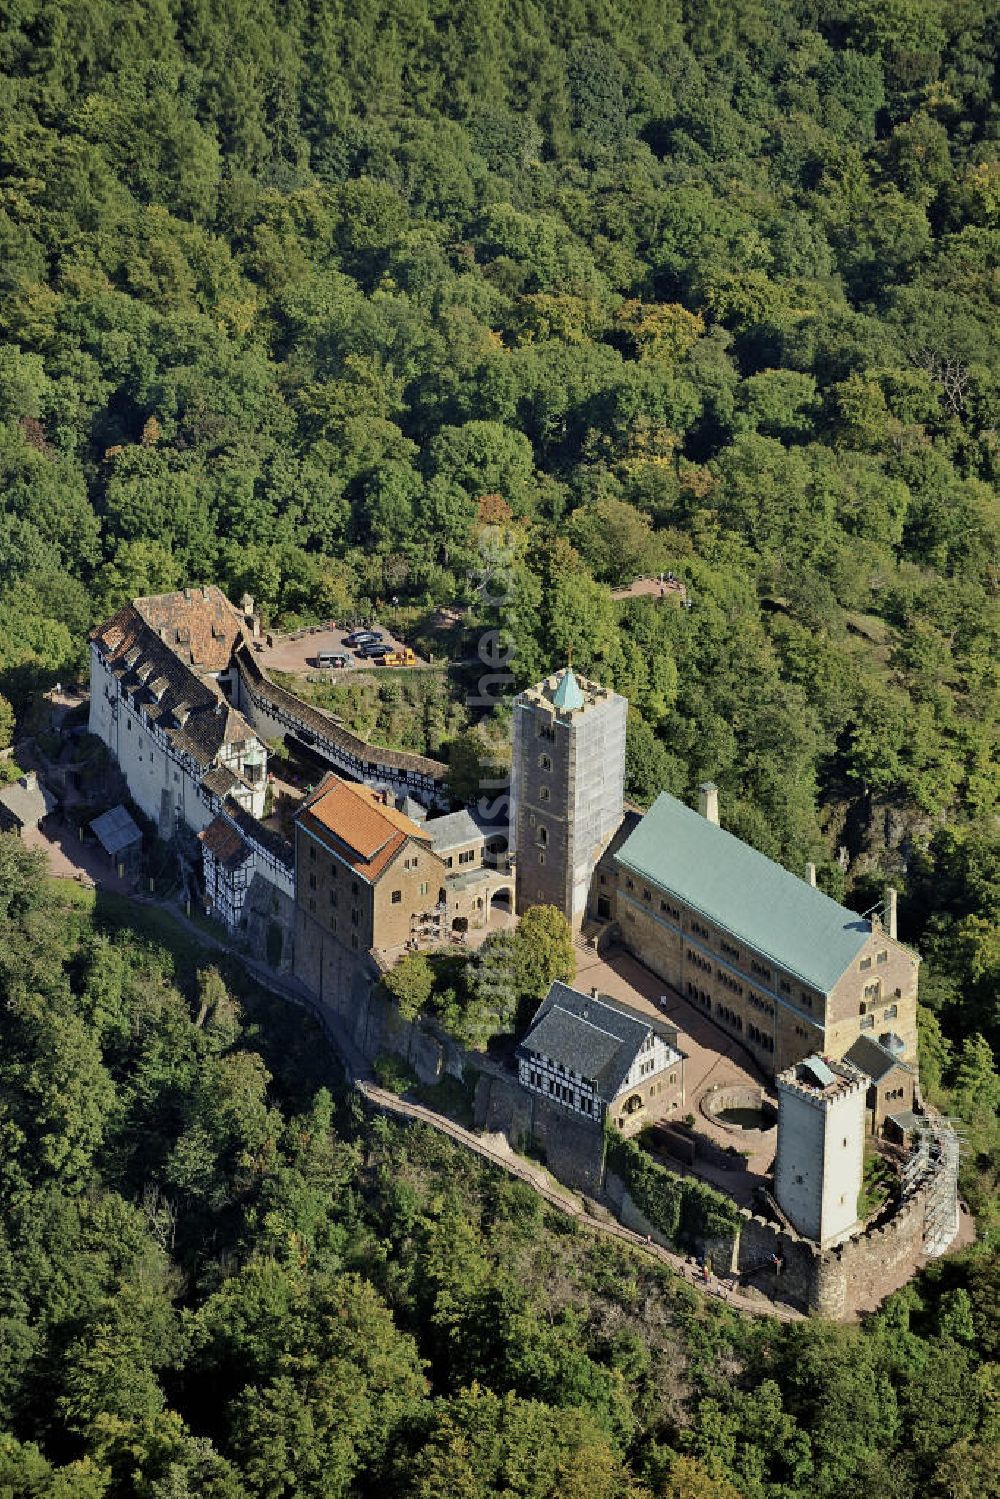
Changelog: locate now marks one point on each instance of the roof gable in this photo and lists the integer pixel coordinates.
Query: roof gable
(746, 894)
(592, 1035)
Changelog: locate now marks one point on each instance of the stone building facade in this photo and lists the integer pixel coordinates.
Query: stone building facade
(600, 1060)
(892, 1083)
(772, 960)
(157, 670)
(821, 1143)
(366, 874)
(567, 780)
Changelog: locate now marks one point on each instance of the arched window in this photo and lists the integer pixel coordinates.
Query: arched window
(543, 837)
(545, 762)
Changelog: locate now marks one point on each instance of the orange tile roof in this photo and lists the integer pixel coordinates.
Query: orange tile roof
(370, 834)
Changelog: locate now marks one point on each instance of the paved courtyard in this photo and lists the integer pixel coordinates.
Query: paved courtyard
(713, 1059)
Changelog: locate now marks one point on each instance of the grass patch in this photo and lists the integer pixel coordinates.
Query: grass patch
(876, 1183)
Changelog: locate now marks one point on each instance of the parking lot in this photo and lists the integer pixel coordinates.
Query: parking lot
(299, 653)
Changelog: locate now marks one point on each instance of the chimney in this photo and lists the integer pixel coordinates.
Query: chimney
(890, 911)
(811, 874)
(708, 801)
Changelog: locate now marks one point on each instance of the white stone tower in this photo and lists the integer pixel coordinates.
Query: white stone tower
(567, 789)
(821, 1141)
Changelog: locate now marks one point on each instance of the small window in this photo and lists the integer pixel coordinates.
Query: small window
(312, 882)
(312, 853)
(354, 940)
(543, 793)
(354, 887)
(883, 957)
(543, 837)
(890, 1013)
(397, 897)
(646, 895)
(865, 963)
(544, 762)
(423, 887)
(867, 1022)
(541, 856)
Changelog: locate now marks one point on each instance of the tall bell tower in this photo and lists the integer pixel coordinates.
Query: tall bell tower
(567, 788)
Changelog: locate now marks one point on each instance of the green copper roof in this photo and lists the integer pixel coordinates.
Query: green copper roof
(568, 694)
(797, 926)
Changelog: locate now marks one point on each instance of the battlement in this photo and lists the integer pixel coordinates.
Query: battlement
(824, 1083)
(565, 701)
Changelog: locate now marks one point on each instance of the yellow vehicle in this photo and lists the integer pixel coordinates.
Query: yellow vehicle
(402, 657)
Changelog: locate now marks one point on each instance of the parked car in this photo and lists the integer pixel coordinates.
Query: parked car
(374, 651)
(331, 658)
(362, 637)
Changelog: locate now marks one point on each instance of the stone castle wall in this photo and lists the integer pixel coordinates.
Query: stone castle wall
(572, 1147)
(832, 1283)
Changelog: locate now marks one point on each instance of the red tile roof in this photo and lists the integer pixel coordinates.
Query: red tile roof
(366, 834)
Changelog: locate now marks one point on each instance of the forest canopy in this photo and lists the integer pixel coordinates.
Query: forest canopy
(395, 307)
(498, 307)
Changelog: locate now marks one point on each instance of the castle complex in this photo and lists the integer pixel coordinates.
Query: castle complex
(822, 1000)
(773, 961)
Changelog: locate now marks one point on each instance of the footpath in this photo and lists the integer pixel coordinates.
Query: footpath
(493, 1148)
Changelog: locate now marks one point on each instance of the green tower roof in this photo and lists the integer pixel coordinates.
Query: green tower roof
(568, 694)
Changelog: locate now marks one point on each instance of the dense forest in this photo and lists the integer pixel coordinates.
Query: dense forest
(219, 1279)
(404, 307)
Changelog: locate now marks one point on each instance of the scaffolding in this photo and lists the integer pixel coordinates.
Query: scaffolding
(933, 1167)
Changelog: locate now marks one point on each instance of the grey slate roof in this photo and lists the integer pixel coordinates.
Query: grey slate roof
(872, 1058)
(451, 831)
(26, 805)
(595, 1037)
(745, 893)
(116, 830)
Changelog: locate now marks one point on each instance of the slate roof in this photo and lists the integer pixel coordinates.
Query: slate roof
(874, 1060)
(158, 677)
(746, 894)
(451, 831)
(352, 821)
(116, 830)
(595, 1037)
(25, 804)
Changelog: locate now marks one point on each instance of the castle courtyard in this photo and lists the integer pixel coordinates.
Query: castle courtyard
(712, 1059)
